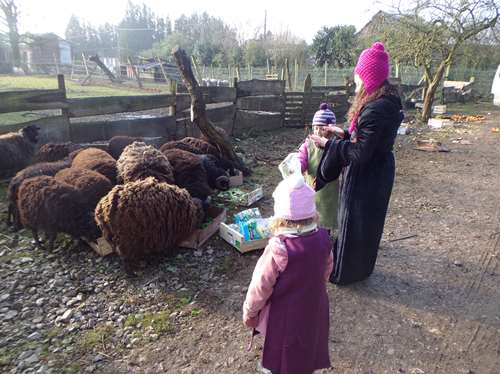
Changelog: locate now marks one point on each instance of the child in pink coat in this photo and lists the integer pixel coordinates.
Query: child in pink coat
(287, 299)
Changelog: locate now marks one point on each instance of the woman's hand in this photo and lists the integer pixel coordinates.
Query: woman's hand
(319, 141)
(335, 130)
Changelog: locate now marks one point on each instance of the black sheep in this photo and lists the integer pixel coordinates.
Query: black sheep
(17, 149)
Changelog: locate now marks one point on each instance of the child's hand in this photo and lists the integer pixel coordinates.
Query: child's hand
(319, 141)
(251, 322)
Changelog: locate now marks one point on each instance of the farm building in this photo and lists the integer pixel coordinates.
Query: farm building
(39, 51)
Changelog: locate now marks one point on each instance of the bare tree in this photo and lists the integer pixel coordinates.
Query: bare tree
(430, 33)
(199, 111)
(10, 14)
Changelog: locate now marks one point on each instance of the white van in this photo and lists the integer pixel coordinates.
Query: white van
(495, 88)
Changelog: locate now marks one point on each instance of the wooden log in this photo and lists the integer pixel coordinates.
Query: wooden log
(16, 101)
(199, 114)
(93, 106)
(104, 68)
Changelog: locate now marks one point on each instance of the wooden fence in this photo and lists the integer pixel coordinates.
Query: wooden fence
(248, 107)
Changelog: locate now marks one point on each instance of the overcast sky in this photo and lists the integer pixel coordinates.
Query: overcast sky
(38, 16)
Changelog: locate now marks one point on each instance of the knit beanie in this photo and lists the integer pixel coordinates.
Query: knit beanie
(294, 199)
(373, 67)
(324, 116)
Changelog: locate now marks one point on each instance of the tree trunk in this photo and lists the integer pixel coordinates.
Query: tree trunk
(430, 92)
(199, 112)
(10, 12)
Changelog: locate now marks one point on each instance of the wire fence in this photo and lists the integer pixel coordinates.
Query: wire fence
(320, 76)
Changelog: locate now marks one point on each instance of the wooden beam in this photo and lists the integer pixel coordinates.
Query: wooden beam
(256, 87)
(104, 68)
(199, 112)
(162, 69)
(136, 73)
(93, 106)
(17, 101)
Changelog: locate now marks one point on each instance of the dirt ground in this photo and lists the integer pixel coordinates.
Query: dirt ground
(432, 304)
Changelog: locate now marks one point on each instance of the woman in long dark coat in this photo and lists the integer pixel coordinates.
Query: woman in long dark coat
(363, 158)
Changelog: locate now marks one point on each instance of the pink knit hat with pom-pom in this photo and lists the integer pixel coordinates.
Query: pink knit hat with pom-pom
(294, 199)
(373, 67)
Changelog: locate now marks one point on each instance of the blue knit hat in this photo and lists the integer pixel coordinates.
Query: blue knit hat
(324, 116)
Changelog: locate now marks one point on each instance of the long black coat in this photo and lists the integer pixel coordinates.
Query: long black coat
(365, 163)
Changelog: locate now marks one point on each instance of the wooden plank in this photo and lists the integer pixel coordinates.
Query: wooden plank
(252, 122)
(218, 94)
(92, 106)
(17, 101)
(256, 87)
(90, 131)
(265, 103)
(327, 88)
(183, 101)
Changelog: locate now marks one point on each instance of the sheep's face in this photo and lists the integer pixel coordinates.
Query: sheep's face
(89, 227)
(31, 133)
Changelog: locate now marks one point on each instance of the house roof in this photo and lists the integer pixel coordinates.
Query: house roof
(376, 22)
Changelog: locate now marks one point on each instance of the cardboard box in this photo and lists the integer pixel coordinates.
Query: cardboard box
(439, 109)
(200, 236)
(237, 240)
(240, 197)
(101, 247)
(437, 123)
(236, 180)
(253, 196)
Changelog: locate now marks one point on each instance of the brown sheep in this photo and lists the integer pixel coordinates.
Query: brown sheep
(91, 184)
(145, 217)
(17, 149)
(200, 147)
(53, 207)
(193, 145)
(139, 161)
(118, 143)
(51, 152)
(43, 168)
(98, 160)
(189, 173)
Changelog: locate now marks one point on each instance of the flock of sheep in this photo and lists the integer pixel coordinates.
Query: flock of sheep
(140, 199)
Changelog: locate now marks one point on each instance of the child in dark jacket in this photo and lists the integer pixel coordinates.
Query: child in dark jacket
(287, 299)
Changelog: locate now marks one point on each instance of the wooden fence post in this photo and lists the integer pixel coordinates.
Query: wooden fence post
(136, 72)
(64, 111)
(296, 75)
(326, 73)
(55, 62)
(307, 96)
(85, 64)
(162, 70)
(288, 74)
(173, 91)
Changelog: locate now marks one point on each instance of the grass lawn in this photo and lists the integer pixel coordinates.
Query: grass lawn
(73, 89)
